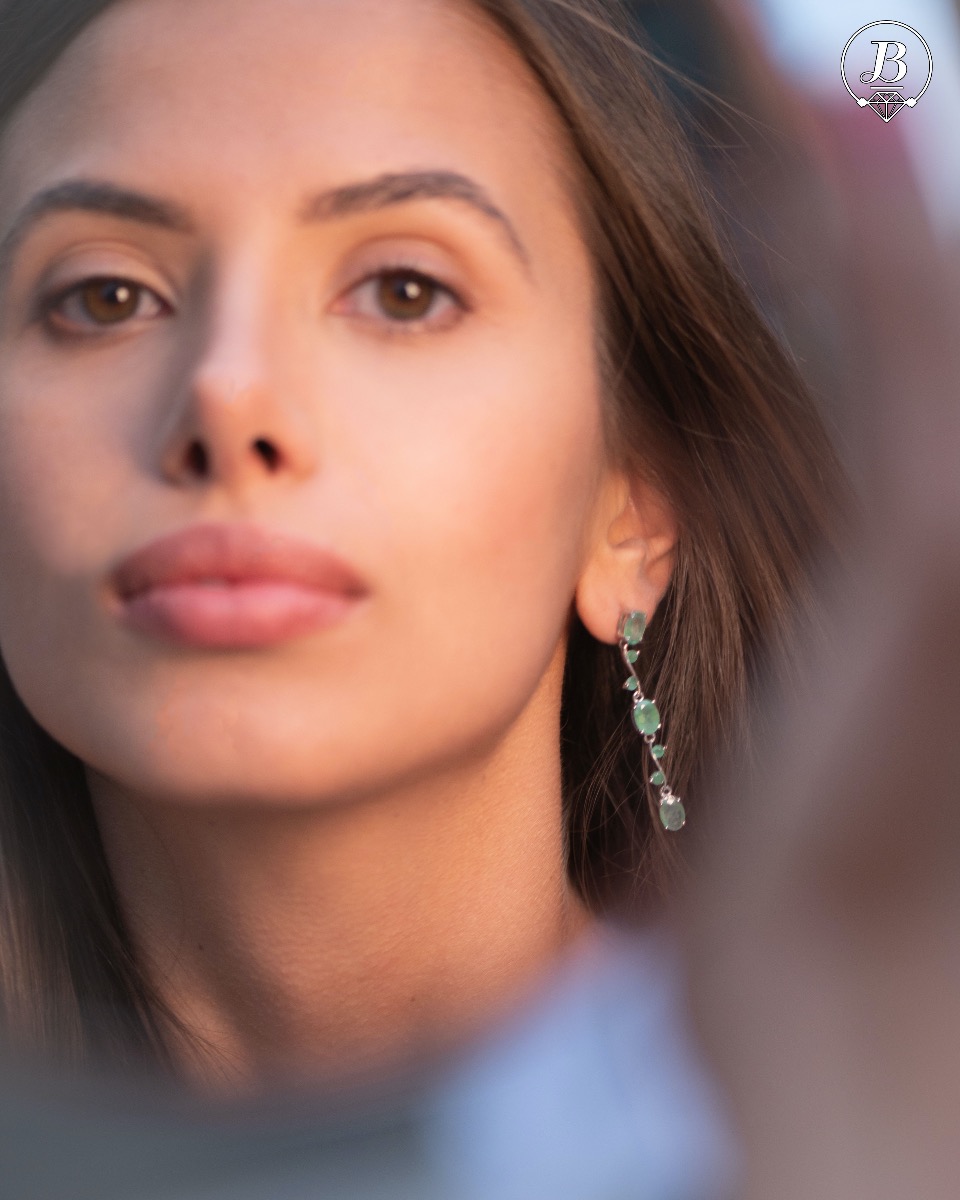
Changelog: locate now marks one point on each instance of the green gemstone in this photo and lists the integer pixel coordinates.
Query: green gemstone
(672, 816)
(632, 628)
(632, 655)
(658, 751)
(645, 716)
(632, 683)
(658, 777)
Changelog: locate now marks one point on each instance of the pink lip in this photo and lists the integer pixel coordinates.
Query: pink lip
(233, 585)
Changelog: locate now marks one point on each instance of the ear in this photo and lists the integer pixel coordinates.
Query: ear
(631, 559)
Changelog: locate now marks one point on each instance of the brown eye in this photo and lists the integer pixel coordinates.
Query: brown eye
(400, 299)
(405, 295)
(109, 300)
(100, 301)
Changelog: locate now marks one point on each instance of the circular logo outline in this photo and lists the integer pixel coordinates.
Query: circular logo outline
(911, 101)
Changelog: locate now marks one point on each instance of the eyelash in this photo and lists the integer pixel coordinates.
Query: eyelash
(49, 304)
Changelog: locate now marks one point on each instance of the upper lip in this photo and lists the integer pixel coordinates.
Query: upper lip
(233, 553)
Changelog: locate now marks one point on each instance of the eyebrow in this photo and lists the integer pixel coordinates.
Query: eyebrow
(382, 191)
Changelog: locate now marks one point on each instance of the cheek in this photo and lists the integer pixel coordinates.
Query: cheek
(488, 466)
(495, 456)
(61, 428)
(57, 495)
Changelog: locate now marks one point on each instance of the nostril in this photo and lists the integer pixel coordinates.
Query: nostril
(197, 458)
(268, 451)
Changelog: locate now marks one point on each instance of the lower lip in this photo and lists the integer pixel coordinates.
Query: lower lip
(235, 615)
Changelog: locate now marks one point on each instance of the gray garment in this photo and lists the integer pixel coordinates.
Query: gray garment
(592, 1092)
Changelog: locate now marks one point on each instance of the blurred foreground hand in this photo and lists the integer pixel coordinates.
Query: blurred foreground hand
(824, 931)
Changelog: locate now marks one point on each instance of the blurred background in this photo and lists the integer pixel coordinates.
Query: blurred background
(733, 1069)
(847, 227)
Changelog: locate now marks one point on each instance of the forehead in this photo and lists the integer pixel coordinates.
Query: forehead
(276, 94)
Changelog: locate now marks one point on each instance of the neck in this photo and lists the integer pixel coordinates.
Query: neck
(349, 938)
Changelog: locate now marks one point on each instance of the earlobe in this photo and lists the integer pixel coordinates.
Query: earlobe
(631, 561)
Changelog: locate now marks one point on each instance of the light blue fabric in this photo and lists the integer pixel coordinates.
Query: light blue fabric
(595, 1092)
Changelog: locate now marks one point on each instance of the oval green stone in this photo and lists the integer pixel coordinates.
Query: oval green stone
(632, 655)
(658, 777)
(672, 816)
(632, 683)
(633, 628)
(645, 716)
(658, 751)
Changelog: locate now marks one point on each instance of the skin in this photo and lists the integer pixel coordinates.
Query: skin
(342, 852)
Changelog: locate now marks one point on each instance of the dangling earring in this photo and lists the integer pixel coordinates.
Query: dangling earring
(630, 630)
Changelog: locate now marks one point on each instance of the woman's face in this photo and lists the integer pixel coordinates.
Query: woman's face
(444, 438)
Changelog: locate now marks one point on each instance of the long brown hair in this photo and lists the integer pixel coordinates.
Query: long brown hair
(701, 399)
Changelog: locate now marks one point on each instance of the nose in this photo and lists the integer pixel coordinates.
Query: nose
(242, 410)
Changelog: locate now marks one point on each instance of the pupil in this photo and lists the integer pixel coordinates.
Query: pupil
(405, 296)
(109, 301)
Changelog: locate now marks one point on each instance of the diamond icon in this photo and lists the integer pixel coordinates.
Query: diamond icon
(886, 104)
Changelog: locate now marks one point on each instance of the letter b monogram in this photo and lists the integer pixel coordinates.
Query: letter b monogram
(883, 57)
